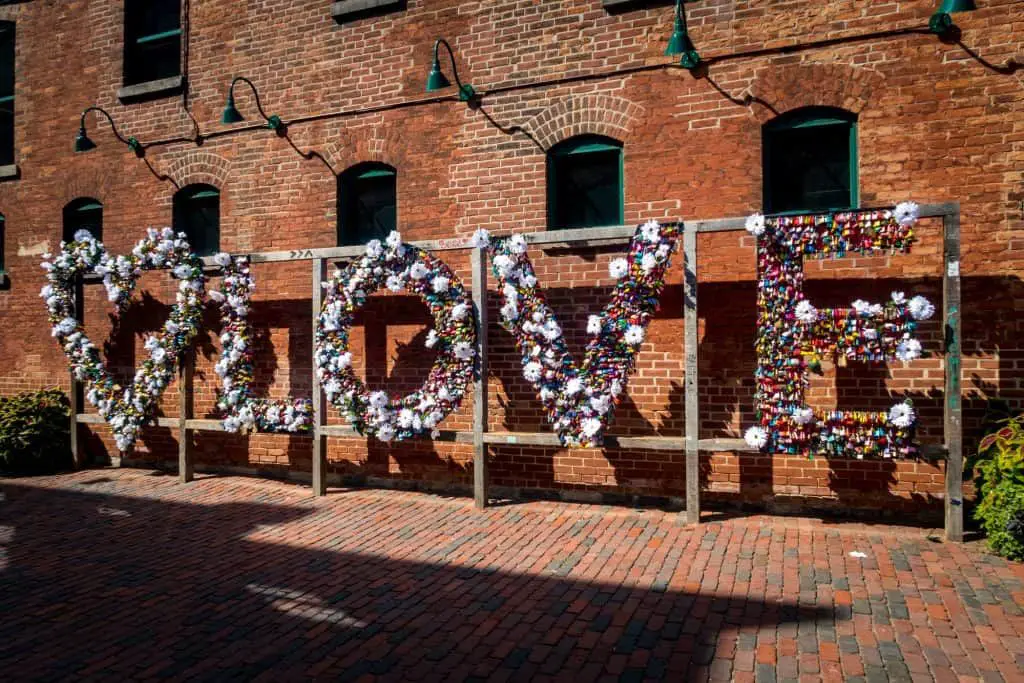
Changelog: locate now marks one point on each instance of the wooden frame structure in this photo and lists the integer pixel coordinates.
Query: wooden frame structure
(481, 439)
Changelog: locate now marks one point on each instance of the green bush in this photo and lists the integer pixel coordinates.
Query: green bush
(35, 432)
(999, 477)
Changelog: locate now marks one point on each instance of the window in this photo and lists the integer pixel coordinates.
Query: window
(3, 244)
(367, 205)
(810, 161)
(152, 40)
(6, 93)
(585, 186)
(84, 213)
(197, 214)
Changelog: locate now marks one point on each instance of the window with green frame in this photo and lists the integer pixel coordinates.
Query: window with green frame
(810, 161)
(6, 93)
(585, 183)
(197, 214)
(152, 40)
(83, 213)
(367, 203)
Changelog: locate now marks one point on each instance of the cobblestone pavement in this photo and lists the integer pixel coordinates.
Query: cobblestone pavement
(126, 575)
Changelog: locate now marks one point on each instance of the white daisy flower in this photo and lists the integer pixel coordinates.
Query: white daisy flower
(806, 312)
(591, 427)
(756, 437)
(908, 349)
(902, 415)
(594, 324)
(906, 213)
(899, 298)
(803, 416)
(920, 308)
(481, 239)
(650, 231)
(516, 244)
(418, 271)
(464, 350)
(634, 335)
(618, 268)
(755, 224)
(440, 284)
(532, 371)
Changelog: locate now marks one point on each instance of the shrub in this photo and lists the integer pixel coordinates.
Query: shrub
(999, 477)
(35, 432)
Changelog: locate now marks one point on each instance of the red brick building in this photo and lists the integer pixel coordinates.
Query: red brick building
(576, 96)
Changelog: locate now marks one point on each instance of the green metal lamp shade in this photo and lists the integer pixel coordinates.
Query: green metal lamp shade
(231, 113)
(82, 142)
(437, 80)
(950, 6)
(680, 41)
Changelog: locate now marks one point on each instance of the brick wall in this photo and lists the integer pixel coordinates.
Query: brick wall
(937, 122)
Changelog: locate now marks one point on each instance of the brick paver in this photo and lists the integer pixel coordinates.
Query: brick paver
(127, 575)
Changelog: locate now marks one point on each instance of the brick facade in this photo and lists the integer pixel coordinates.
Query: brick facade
(936, 122)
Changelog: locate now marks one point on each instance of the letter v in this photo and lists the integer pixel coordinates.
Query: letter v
(580, 400)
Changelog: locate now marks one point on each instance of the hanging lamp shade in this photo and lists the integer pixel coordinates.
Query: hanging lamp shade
(82, 141)
(951, 6)
(436, 80)
(231, 113)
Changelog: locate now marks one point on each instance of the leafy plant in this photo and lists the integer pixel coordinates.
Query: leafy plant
(999, 477)
(35, 432)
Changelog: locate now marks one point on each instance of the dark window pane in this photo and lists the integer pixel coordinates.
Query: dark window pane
(152, 40)
(6, 93)
(82, 214)
(197, 214)
(3, 242)
(585, 183)
(367, 206)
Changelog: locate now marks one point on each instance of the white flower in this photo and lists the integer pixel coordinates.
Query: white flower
(528, 280)
(216, 295)
(908, 349)
(650, 231)
(551, 330)
(379, 399)
(573, 386)
(344, 360)
(432, 339)
(159, 354)
(861, 307)
(418, 271)
(634, 335)
(594, 324)
(439, 284)
(460, 311)
(182, 272)
(648, 262)
(755, 224)
(920, 308)
(803, 416)
(602, 404)
(899, 298)
(222, 259)
(394, 240)
(870, 333)
(615, 388)
(516, 244)
(83, 235)
(464, 350)
(906, 213)
(481, 239)
(806, 312)
(394, 283)
(532, 371)
(902, 415)
(374, 249)
(756, 437)
(406, 418)
(591, 427)
(386, 432)
(503, 264)
(66, 326)
(510, 311)
(618, 268)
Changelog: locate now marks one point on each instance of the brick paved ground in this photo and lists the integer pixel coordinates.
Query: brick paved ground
(127, 575)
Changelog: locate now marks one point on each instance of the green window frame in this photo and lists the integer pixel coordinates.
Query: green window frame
(83, 213)
(367, 203)
(197, 214)
(152, 40)
(586, 183)
(7, 78)
(810, 161)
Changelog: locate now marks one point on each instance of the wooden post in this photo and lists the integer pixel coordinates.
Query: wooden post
(76, 396)
(479, 264)
(319, 404)
(953, 409)
(692, 434)
(185, 406)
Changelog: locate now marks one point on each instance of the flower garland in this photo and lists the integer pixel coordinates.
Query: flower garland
(793, 335)
(241, 411)
(397, 266)
(580, 401)
(126, 409)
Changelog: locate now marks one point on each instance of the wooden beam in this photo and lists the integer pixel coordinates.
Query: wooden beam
(690, 383)
(953, 408)
(319, 401)
(185, 407)
(479, 264)
(76, 396)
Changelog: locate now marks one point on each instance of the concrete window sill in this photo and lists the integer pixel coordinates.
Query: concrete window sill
(622, 5)
(164, 86)
(344, 10)
(10, 172)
